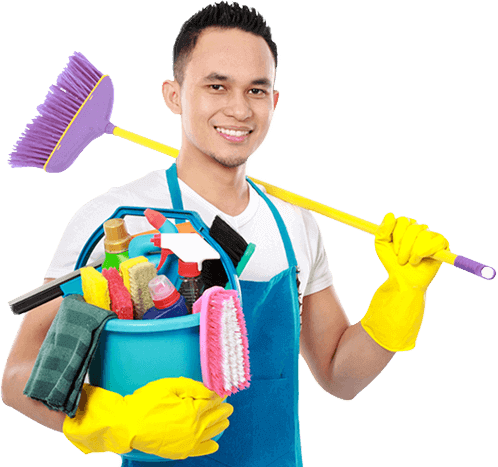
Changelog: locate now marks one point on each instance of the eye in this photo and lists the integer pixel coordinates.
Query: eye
(257, 92)
(216, 87)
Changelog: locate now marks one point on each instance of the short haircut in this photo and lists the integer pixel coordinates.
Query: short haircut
(220, 15)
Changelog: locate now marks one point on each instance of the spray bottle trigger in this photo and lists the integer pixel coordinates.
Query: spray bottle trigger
(156, 240)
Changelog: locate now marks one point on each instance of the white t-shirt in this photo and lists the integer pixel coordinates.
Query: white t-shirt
(256, 225)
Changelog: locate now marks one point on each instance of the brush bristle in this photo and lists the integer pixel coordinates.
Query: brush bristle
(231, 241)
(61, 104)
(140, 276)
(226, 359)
(125, 266)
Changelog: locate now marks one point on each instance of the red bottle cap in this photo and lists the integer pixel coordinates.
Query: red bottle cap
(163, 292)
(188, 269)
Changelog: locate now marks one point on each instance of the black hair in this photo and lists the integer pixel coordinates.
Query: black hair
(220, 15)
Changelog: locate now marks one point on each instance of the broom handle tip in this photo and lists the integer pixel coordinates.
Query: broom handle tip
(469, 265)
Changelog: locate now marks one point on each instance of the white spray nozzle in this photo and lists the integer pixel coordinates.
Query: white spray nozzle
(189, 247)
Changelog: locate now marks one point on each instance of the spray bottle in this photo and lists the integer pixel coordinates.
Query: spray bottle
(191, 250)
(116, 242)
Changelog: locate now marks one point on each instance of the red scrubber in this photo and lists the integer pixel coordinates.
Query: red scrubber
(121, 302)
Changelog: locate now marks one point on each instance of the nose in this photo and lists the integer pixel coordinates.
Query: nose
(238, 107)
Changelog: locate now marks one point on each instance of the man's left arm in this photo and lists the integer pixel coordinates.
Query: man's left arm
(344, 359)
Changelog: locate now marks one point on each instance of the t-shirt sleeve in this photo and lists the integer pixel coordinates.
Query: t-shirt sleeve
(86, 220)
(320, 276)
(78, 230)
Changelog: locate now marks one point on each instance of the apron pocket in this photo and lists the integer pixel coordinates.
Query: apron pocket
(262, 427)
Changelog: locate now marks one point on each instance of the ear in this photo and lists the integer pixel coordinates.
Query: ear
(171, 94)
(276, 95)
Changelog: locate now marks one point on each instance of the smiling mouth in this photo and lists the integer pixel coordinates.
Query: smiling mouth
(233, 133)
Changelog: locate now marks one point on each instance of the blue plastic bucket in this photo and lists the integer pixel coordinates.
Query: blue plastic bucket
(131, 354)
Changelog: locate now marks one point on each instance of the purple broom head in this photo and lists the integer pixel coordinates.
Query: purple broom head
(75, 112)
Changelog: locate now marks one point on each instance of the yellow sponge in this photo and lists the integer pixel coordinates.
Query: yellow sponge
(140, 275)
(125, 266)
(95, 290)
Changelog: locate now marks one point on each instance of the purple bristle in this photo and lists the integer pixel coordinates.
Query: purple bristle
(61, 104)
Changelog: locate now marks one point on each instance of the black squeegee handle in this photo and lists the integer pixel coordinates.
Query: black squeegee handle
(46, 292)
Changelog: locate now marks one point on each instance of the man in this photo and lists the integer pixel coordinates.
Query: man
(225, 64)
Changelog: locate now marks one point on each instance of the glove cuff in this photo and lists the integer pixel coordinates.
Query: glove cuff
(395, 315)
(100, 423)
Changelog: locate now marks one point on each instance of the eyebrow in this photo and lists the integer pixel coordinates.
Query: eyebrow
(257, 82)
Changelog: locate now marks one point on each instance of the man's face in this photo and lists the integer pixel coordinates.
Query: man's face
(227, 96)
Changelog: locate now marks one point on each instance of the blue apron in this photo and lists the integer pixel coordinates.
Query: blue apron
(264, 427)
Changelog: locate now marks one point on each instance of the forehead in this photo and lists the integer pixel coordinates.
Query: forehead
(230, 52)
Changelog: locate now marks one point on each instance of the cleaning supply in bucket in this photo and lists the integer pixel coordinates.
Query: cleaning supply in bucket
(116, 242)
(223, 341)
(121, 302)
(140, 275)
(234, 245)
(125, 267)
(251, 248)
(159, 222)
(192, 285)
(191, 251)
(137, 273)
(141, 246)
(48, 291)
(168, 303)
(95, 288)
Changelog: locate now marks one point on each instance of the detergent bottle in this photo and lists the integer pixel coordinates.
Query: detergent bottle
(168, 303)
(192, 250)
(116, 242)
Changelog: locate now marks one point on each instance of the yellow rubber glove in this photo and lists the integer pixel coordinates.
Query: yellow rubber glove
(395, 313)
(172, 418)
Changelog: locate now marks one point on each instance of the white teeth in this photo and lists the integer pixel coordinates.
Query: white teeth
(232, 132)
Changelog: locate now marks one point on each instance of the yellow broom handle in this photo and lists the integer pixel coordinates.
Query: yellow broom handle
(301, 201)
(145, 142)
(356, 222)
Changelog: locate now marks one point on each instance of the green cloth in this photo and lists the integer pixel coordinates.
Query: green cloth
(65, 355)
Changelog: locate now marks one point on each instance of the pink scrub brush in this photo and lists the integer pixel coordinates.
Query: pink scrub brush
(223, 341)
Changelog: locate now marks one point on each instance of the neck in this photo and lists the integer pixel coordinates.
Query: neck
(225, 188)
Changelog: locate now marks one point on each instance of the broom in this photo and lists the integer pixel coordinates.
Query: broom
(77, 110)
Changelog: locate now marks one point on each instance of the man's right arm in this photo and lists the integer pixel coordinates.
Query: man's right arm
(21, 361)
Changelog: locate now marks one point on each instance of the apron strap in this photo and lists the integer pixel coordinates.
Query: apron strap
(176, 199)
(289, 251)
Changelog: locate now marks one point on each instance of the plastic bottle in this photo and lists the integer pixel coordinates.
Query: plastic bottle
(168, 303)
(192, 285)
(116, 243)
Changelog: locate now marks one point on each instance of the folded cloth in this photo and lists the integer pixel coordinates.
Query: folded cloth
(65, 355)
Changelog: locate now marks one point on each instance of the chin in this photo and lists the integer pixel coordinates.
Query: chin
(230, 162)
